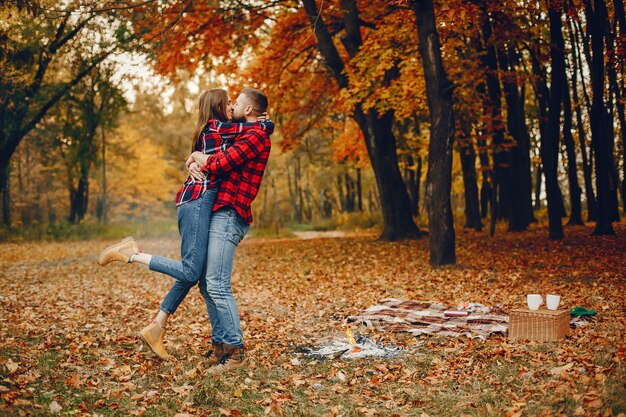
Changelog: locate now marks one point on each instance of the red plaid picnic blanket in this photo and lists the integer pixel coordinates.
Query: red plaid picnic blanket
(418, 318)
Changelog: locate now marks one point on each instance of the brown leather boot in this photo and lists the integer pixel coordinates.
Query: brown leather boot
(232, 358)
(153, 336)
(215, 353)
(121, 252)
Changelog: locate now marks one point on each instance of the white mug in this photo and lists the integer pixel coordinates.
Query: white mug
(552, 301)
(534, 301)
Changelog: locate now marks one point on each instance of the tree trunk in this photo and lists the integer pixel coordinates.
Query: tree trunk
(79, 198)
(550, 141)
(394, 199)
(439, 98)
(621, 93)
(519, 154)
(376, 128)
(612, 63)
(350, 193)
(600, 141)
(105, 218)
(486, 177)
(359, 189)
(6, 202)
(412, 183)
(468, 165)
(419, 185)
(575, 192)
(492, 108)
(586, 164)
(538, 180)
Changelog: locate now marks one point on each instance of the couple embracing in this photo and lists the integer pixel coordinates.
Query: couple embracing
(231, 147)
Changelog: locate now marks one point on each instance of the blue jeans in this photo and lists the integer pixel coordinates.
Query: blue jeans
(227, 229)
(194, 219)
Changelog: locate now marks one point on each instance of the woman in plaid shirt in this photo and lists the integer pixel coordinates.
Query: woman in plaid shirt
(194, 202)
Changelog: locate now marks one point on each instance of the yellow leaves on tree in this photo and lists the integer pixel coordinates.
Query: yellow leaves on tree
(140, 186)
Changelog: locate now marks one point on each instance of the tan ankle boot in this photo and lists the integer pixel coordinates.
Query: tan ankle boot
(215, 353)
(121, 252)
(232, 358)
(153, 336)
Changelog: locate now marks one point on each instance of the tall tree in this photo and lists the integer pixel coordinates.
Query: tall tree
(600, 140)
(95, 103)
(550, 141)
(45, 36)
(376, 127)
(439, 175)
(577, 70)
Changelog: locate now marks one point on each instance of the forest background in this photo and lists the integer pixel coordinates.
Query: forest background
(99, 103)
(495, 126)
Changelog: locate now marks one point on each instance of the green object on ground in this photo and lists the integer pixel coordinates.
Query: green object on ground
(581, 311)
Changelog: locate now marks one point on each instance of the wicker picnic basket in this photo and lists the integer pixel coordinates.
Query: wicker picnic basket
(539, 325)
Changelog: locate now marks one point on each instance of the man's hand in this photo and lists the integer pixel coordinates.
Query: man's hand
(195, 172)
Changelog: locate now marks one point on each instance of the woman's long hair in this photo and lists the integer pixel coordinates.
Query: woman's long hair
(212, 105)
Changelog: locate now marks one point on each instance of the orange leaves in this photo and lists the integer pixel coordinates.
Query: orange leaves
(350, 145)
(297, 291)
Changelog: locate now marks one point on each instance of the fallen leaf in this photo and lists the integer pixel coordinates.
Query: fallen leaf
(55, 408)
(560, 369)
(73, 381)
(11, 366)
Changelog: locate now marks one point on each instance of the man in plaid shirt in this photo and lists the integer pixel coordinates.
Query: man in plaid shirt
(216, 137)
(241, 166)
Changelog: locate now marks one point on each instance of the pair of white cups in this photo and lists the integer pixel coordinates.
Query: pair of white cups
(535, 300)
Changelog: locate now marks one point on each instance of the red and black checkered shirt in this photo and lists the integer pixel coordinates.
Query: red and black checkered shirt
(216, 136)
(245, 161)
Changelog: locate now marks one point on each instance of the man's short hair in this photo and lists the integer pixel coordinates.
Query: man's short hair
(258, 100)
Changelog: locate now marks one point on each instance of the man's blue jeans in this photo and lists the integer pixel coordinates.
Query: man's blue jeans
(194, 219)
(227, 229)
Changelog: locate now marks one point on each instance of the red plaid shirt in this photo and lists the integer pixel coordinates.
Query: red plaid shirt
(245, 161)
(216, 136)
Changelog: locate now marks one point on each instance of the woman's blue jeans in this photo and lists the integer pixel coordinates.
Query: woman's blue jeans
(194, 219)
(227, 229)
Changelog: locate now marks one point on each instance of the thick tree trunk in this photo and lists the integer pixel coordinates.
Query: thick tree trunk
(394, 199)
(503, 179)
(439, 98)
(519, 155)
(600, 141)
(550, 142)
(614, 89)
(376, 128)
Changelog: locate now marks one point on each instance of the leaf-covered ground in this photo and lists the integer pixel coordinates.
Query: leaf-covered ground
(68, 344)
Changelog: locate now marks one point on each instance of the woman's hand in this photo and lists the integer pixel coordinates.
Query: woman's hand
(195, 171)
(263, 117)
(199, 158)
(189, 161)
